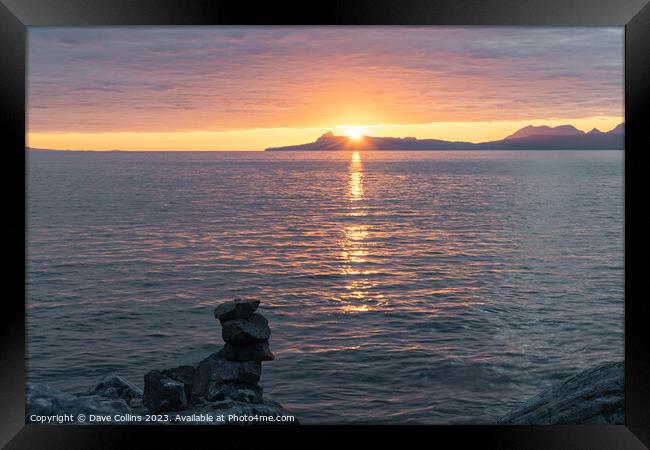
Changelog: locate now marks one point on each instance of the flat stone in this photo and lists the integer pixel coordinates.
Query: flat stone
(247, 352)
(163, 394)
(236, 392)
(246, 331)
(237, 309)
(215, 369)
(593, 396)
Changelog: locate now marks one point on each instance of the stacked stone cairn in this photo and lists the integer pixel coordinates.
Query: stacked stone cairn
(231, 374)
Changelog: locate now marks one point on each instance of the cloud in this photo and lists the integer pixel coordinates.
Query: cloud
(220, 78)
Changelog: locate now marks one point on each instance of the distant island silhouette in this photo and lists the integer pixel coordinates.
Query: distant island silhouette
(563, 137)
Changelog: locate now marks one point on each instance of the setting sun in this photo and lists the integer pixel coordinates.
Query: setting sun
(355, 133)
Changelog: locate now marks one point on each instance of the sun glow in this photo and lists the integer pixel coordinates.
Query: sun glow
(355, 133)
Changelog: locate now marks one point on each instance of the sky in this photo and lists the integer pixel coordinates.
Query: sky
(248, 88)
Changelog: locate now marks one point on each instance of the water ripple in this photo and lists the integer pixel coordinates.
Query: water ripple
(402, 287)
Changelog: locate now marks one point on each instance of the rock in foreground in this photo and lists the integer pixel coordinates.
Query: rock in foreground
(237, 309)
(163, 393)
(41, 400)
(239, 392)
(216, 370)
(593, 396)
(246, 331)
(115, 386)
(224, 385)
(247, 352)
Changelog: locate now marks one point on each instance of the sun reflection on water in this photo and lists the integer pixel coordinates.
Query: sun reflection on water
(356, 178)
(354, 247)
(355, 308)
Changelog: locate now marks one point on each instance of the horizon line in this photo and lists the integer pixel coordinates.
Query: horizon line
(327, 132)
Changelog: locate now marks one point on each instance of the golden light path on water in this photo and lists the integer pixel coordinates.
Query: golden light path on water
(354, 246)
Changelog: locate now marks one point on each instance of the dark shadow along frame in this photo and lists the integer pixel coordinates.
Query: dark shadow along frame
(16, 15)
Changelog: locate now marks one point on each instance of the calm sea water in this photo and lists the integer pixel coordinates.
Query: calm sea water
(401, 287)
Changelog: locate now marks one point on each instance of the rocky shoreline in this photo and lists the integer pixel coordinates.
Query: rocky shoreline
(223, 388)
(595, 396)
(219, 389)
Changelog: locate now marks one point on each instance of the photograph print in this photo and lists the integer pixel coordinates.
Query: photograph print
(325, 225)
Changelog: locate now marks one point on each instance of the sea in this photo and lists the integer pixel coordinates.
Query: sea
(426, 287)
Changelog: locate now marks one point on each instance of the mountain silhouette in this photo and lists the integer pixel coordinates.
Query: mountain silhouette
(545, 130)
(563, 137)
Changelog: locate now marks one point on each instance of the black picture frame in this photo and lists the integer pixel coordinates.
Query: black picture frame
(16, 15)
